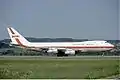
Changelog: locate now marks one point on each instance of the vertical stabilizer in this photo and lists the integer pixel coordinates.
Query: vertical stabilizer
(17, 38)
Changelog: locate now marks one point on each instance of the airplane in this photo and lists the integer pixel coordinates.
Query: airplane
(59, 48)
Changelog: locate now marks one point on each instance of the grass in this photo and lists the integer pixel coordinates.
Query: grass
(59, 68)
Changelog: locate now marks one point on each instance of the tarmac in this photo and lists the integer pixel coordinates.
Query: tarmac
(65, 58)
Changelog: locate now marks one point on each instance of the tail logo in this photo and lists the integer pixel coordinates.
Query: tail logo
(11, 31)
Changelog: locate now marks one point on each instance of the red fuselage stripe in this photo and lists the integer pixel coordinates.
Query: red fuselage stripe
(76, 47)
(90, 47)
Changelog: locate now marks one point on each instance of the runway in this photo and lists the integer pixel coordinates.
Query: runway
(60, 58)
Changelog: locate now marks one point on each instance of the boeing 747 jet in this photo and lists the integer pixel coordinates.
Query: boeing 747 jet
(59, 48)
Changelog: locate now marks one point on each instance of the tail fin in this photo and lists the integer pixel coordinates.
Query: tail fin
(16, 38)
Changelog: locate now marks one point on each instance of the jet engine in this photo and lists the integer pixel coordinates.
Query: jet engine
(52, 50)
(69, 51)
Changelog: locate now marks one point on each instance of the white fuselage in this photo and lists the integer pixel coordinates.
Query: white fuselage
(82, 46)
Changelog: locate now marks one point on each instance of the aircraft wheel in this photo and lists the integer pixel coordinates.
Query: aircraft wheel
(60, 54)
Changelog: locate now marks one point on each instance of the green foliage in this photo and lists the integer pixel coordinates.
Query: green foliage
(6, 73)
(59, 68)
(101, 72)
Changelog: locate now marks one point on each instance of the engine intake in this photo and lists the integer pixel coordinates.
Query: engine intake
(69, 51)
(52, 50)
